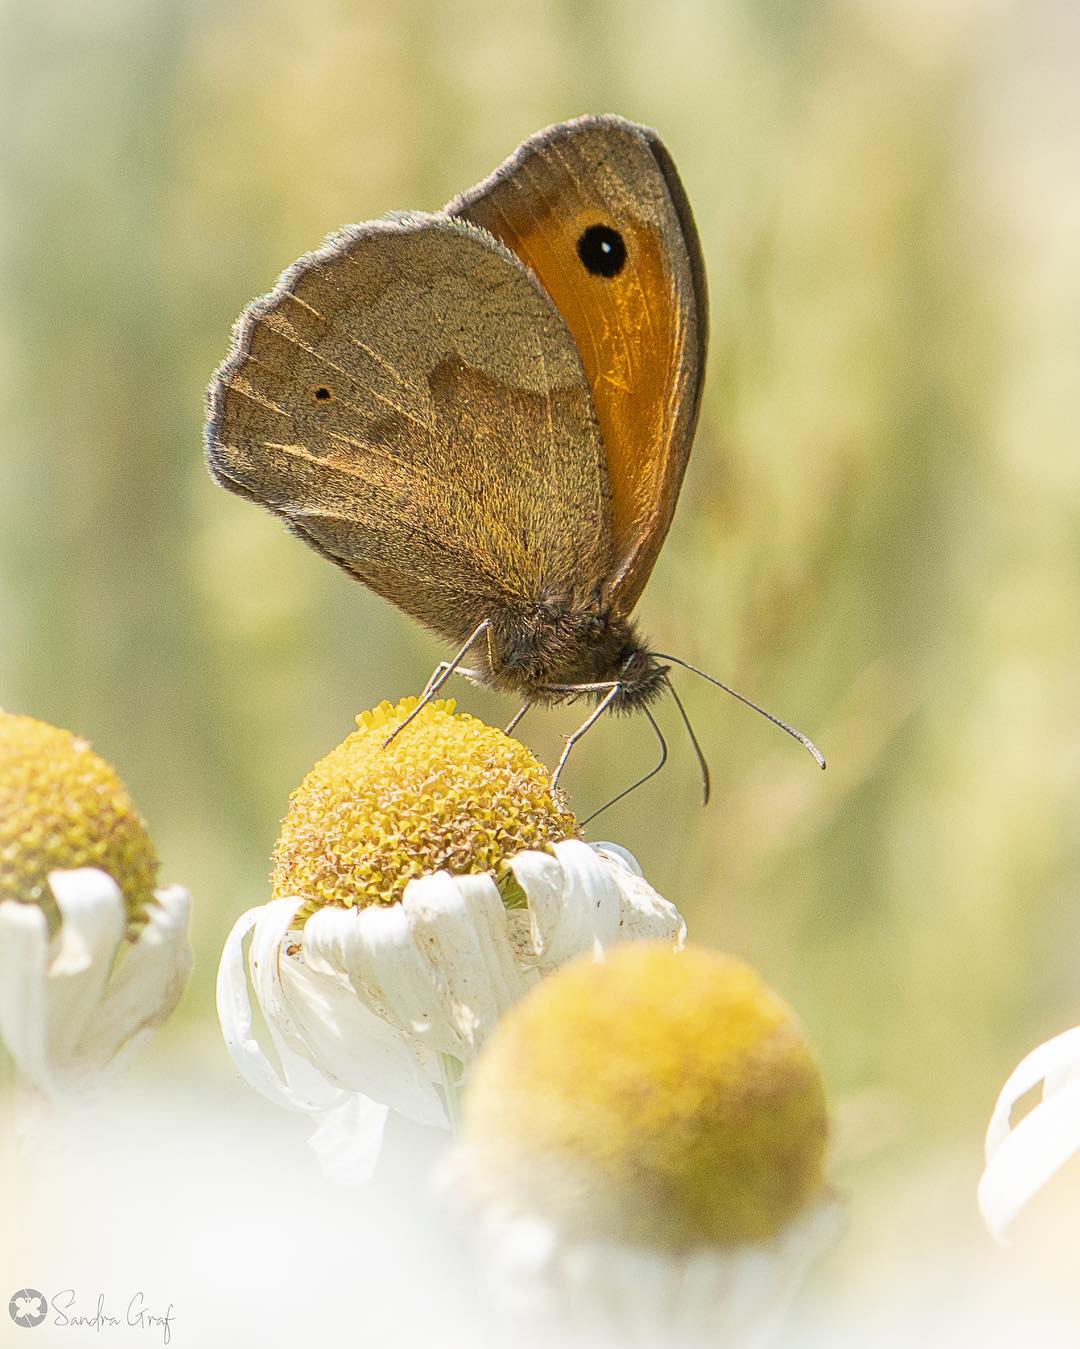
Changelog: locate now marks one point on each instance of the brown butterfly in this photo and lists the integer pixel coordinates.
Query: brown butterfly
(485, 414)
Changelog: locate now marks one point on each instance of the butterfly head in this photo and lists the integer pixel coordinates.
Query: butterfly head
(642, 679)
(560, 649)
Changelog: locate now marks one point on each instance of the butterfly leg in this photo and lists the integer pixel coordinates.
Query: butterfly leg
(442, 673)
(509, 730)
(590, 720)
(443, 668)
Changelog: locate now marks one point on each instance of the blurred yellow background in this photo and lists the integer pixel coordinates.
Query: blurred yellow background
(878, 536)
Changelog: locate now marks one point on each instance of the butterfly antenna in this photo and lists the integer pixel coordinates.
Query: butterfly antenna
(706, 783)
(641, 781)
(803, 740)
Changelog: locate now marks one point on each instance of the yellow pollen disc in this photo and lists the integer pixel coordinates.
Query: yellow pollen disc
(448, 793)
(62, 806)
(658, 1097)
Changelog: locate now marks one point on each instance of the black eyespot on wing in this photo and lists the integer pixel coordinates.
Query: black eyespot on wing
(322, 394)
(602, 250)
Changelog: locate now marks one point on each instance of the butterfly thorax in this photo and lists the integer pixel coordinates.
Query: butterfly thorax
(545, 653)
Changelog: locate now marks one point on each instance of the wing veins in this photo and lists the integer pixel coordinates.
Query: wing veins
(374, 393)
(375, 355)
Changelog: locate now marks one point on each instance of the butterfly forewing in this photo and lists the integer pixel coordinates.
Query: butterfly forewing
(413, 405)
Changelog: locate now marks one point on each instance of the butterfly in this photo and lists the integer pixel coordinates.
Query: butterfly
(485, 414)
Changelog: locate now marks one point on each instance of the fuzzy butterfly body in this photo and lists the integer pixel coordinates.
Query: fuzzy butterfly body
(485, 413)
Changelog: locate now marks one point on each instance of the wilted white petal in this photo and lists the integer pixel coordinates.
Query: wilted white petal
(387, 969)
(1037, 1148)
(24, 1021)
(237, 1024)
(93, 920)
(541, 877)
(274, 930)
(1033, 1152)
(353, 1046)
(594, 884)
(1053, 1057)
(84, 1000)
(459, 925)
(646, 915)
(146, 986)
(574, 900)
(619, 854)
(1020, 1160)
(311, 1087)
(348, 1139)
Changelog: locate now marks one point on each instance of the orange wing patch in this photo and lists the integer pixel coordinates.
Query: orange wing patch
(640, 328)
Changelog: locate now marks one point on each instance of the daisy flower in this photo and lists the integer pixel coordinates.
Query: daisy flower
(93, 957)
(420, 887)
(1022, 1157)
(643, 1146)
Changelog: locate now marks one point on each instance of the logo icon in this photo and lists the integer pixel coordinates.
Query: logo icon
(28, 1307)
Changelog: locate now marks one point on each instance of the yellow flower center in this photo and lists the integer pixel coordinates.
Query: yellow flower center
(448, 793)
(62, 806)
(658, 1097)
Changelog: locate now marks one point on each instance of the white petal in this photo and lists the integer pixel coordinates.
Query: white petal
(620, 1293)
(146, 986)
(592, 889)
(541, 876)
(93, 921)
(619, 854)
(574, 900)
(647, 915)
(353, 1047)
(310, 1086)
(1035, 1150)
(349, 1138)
(24, 1021)
(276, 920)
(459, 925)
(234, 1011)
(1066, 1075)
(1055, 1056)
(590, 896)
(388, 971)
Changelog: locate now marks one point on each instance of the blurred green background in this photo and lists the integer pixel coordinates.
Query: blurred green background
(878, 536)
